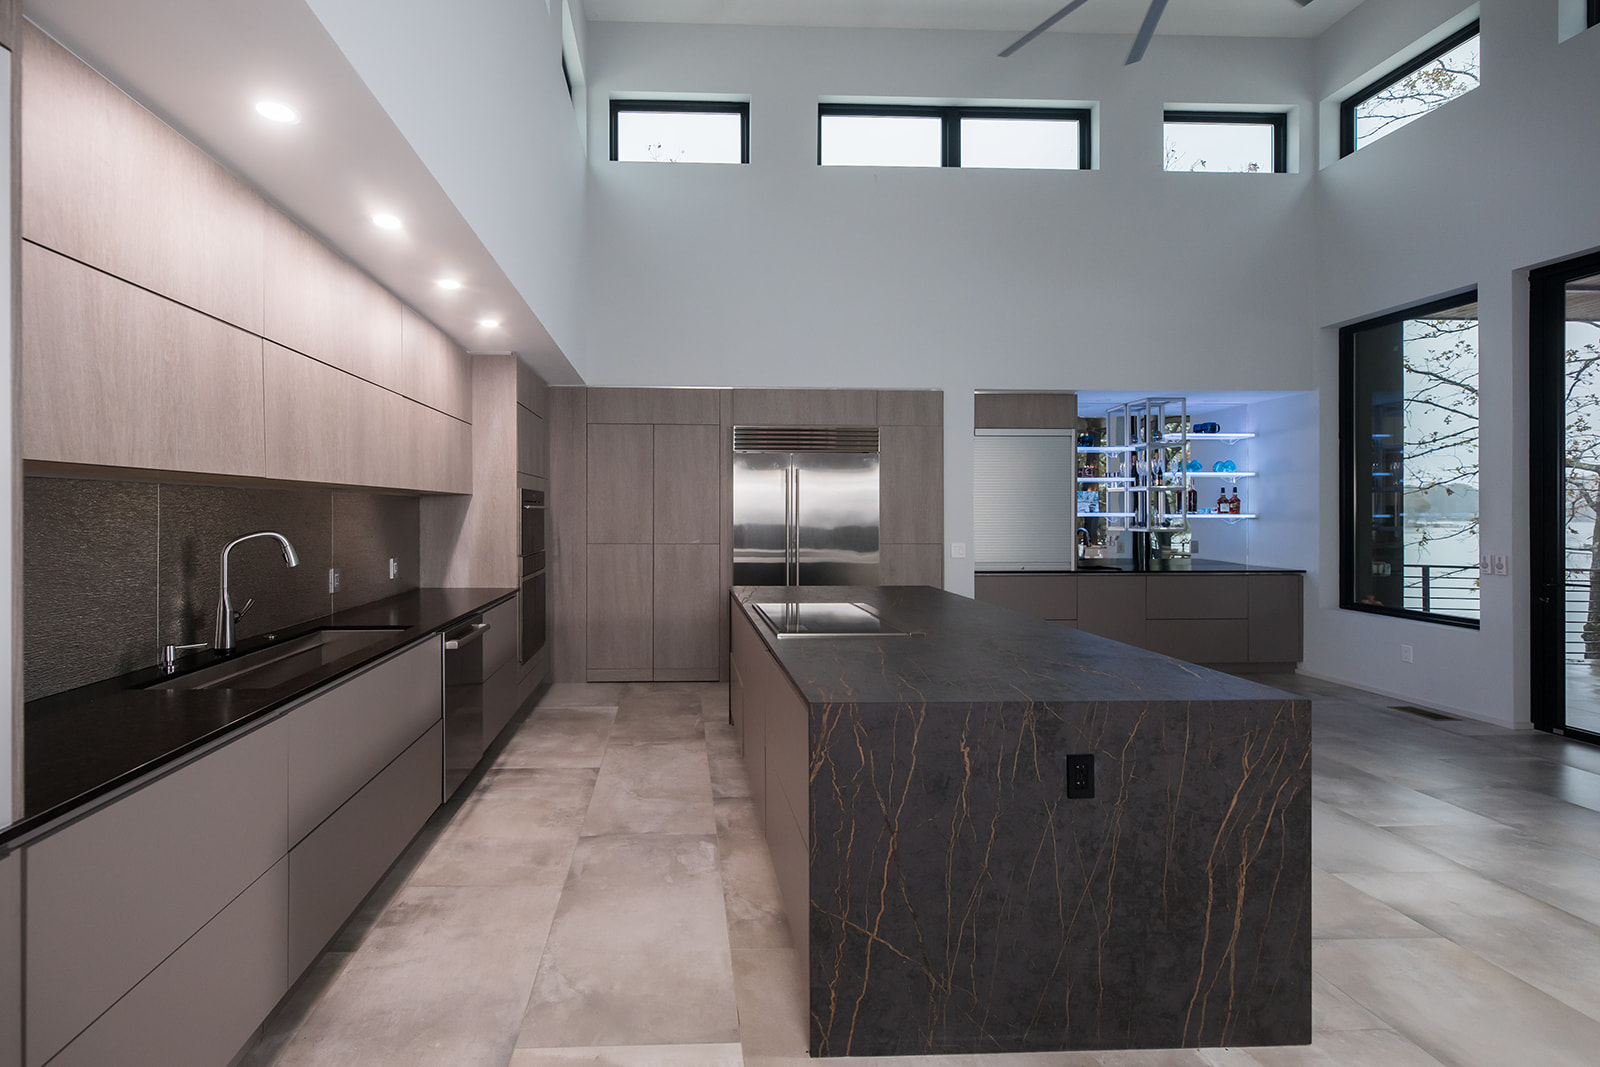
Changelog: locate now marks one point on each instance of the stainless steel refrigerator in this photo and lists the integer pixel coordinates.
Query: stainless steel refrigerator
(805, 506)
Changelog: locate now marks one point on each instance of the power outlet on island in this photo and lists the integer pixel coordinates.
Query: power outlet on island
(394, 568)
(1080, 777)
(335, 579)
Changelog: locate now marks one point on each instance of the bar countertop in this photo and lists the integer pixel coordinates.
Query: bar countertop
(960, 651)
(86, 742)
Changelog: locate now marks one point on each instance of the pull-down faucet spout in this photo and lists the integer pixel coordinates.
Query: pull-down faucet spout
(226, 616)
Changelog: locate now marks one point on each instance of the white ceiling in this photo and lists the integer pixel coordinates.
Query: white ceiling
(202, 64)
(1210, 18)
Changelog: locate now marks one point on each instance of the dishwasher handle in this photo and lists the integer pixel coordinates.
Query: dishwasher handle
(465, 637)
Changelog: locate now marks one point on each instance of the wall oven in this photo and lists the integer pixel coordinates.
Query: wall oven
(532, 574)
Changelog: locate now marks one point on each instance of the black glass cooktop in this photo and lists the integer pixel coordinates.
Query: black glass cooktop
(825, 620)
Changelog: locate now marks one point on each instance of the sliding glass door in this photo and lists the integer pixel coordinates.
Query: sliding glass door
(1565, 492)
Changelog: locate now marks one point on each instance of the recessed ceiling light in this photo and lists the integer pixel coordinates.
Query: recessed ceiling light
(276, 112)
(448, 283)
(489, 324)
(386, 222)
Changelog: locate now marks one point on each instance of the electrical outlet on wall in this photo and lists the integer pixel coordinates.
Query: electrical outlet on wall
(1485, 564)
(1405, 654)
(1500, 565)
(394, 568)
(958, 550)
(334, 579)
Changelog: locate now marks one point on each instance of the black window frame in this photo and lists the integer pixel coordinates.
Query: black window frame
(1347, 472)
(1594, 12)
(1347, 108)
(1278, 120)
(722, 107)
(950, 117)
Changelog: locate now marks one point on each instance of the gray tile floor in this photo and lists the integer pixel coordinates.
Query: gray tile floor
(602, 895)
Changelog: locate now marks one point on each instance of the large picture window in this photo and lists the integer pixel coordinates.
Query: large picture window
(1430, 80)
(1409, 399)
(914, 135)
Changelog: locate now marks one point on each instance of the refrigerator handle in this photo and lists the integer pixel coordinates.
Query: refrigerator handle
(791, 536)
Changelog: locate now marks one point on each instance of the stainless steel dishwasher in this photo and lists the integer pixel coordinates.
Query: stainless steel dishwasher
(463, 701)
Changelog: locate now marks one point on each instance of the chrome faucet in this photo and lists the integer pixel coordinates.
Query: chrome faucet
(226, 616)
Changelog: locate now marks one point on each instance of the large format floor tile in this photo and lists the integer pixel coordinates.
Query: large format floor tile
(1455, 913)
(638, 953)
(441, 980)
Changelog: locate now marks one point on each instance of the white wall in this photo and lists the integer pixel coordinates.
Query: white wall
(783, 273)
(476, 88)
(1493, 183)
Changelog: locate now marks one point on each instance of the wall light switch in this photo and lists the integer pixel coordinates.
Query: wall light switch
(394, 568)
(958, 550)
(1485, 564)
(1500, 565)
(1405, 654)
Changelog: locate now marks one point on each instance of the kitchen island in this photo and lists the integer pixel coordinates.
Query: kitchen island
(960, 879)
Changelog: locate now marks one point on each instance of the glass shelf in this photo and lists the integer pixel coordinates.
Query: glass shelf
(1176, 476)
(1214, 515)
(1083, 479)
(1102, 449)
(1228, 437)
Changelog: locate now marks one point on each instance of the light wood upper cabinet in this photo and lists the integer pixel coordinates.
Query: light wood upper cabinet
(688, 486)
(621, 471)
(441, 458)
(532, 391)
(533, 445)
(108, 183)
(320, 305)
(113, 375)
(805, 407)
(912, 483)
(437, 373)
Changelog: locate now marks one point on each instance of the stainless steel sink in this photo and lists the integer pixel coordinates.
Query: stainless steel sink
(271, 667)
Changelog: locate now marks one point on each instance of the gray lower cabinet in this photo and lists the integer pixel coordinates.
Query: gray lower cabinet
(206, 999)
(112, 895)
(333, 869)
(11, 960)
(1218, 618)
(340, 739)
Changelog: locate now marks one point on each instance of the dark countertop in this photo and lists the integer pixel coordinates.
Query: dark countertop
(1163, 566)
(85, 742)
(965, 651)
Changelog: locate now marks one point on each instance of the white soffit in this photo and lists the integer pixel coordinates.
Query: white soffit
(1203, 18)
(201, 65)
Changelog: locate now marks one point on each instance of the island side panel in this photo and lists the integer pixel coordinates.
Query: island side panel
(960, 903)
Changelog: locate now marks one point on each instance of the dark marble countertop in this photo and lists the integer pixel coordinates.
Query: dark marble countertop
(85, 742)
(965, 651)
(1163, 566)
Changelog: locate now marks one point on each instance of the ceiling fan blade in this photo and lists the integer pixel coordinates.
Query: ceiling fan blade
(1302, 3)
(1045, 25)
(1147, 31)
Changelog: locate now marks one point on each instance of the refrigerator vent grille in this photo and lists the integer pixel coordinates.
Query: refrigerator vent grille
(805, 439)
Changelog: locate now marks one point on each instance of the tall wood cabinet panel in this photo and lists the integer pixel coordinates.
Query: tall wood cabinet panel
(688, 489)
(533, 392)
(435, 371)
(568, 558)
(319, 304)
(621, 472)
(805, 407)
(110, 895)
(621, 612)
(653, 405)
(108, 183)
(911, 484)
(911, 565)
(11, 960)
(206, 999)
(532, 444)
(688, 599)
(113, 375)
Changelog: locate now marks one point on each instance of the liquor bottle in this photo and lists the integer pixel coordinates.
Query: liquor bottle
(1222, 501)
(1194, 500)
(1233, 501)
